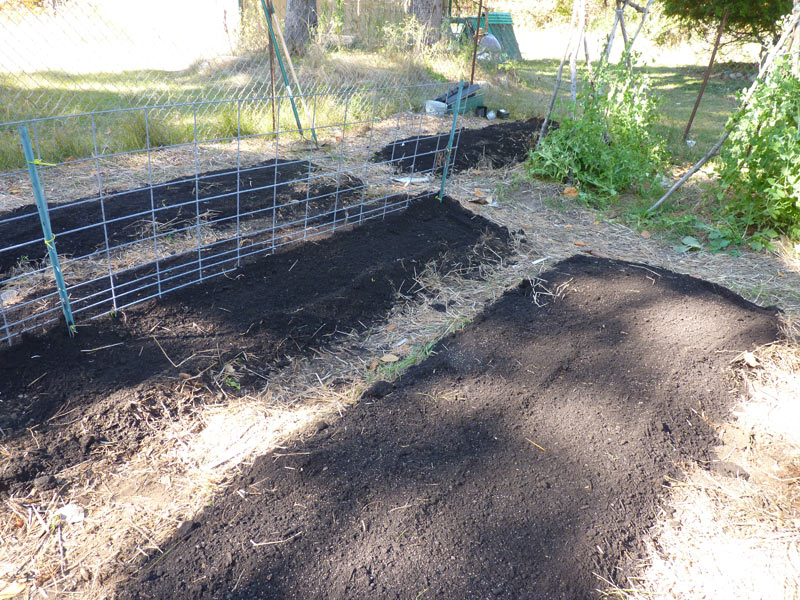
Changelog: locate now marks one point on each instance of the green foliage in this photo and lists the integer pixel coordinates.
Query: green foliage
(330, 20)
(609, 145)
(759, 170)
(688, 229)
(749, 19)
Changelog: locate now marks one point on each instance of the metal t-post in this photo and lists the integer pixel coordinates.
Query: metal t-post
(44, 218)
(274, 42)
(707, 75)
(456, 110)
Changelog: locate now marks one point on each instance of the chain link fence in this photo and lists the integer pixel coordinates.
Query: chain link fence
(88, 55)
(73, 57)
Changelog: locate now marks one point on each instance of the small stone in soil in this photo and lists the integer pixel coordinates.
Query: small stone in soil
(185, 528)
(44, 483)
(86, 442)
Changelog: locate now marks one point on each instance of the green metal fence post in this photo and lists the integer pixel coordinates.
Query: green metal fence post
(44, 218)
(456, 110)
(274, 43)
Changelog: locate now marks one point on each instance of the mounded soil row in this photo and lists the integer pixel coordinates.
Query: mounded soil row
(495, 146)
(527, 453)
(114, 373)
(128, 215)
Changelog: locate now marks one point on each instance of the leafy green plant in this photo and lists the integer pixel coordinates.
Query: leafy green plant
(759, 176)
(330, 23)
(608, 146)
(688, 243)
(231, 382)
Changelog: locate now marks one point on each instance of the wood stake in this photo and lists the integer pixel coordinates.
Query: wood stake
(644, 12)
(559, 76)
(573, 59)
(708, 74)
(272, 85)
(610, 42)
(475, 46)
(298, 90)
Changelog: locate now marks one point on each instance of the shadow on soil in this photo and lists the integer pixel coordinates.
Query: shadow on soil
(525, 457)
(120, 371)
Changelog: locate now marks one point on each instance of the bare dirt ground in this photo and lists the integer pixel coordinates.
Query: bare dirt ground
(124, 517)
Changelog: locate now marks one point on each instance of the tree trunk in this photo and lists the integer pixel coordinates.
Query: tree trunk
(301, 20)
(428, 12)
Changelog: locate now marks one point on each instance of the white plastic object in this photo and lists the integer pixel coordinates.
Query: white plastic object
(434, 107)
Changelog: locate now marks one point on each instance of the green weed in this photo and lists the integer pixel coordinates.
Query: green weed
(608, 146)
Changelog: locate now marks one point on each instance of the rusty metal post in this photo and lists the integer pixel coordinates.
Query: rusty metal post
(475, 47)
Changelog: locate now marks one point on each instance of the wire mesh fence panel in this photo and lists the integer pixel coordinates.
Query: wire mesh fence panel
(133, 224)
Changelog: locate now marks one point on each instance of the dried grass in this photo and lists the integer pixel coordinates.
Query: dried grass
(133, 506)
(734, 537)
(557, 228)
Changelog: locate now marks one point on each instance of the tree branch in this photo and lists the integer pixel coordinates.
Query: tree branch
(635, 6)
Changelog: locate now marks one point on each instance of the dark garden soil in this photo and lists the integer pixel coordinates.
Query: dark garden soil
(62, 398)
(128, 215)
(529, 452)
(493, 147)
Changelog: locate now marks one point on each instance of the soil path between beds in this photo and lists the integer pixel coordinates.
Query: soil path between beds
(529, 452)
(61, 398)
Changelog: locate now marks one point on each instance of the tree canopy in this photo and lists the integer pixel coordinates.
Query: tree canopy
(755, 20)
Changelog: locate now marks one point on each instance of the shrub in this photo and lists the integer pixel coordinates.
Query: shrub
(608, 145)
(759, 170)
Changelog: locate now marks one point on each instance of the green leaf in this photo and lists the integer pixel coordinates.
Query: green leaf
(691, 242)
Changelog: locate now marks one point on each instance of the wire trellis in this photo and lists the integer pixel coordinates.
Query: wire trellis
(129, 226)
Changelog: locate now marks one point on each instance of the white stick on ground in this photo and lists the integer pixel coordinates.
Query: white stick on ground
(559, 76)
